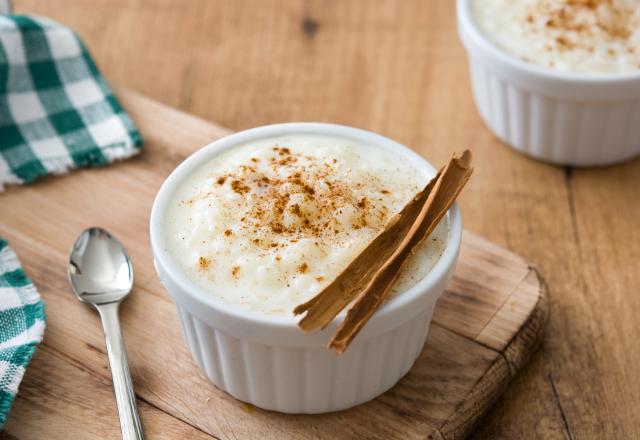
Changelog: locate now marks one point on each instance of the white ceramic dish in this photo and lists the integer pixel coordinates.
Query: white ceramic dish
(564, 118)
(267, 360)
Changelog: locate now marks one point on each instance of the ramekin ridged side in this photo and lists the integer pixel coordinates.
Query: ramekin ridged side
(563, 118)
(304, 379)
(267, 360)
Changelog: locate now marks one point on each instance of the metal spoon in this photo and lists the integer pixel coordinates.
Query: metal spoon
(101, 274)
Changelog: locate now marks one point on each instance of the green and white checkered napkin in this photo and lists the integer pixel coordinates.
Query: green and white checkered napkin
(21, 325)
(56, 111)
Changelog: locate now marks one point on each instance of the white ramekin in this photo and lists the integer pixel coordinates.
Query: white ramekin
(267, 360)
(564, 118)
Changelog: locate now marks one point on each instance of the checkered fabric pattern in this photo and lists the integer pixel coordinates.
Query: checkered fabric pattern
(22, 323)
(56, 111)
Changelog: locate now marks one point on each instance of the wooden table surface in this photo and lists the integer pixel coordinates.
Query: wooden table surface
(396, 67)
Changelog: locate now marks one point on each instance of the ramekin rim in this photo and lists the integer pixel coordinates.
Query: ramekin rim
(423, 288)
(463, 10)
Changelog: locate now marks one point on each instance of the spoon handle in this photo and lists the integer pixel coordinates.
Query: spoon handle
(125, 397)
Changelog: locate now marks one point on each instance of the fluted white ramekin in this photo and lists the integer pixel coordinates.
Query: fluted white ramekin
(564, 118)
(267, 360)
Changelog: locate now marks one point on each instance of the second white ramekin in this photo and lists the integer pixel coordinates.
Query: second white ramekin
(267, 360)
(564, 118)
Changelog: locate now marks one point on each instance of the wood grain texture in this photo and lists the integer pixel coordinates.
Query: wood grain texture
(396, 67)
(61, 399)
(495, 305)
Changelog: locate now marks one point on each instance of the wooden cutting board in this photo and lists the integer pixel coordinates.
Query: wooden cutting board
(486, 325)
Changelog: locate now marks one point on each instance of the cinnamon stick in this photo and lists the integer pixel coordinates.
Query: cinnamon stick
(373, 272)
(449, 184)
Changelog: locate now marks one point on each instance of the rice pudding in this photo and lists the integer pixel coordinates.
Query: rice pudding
(580, 36)
(266, 225)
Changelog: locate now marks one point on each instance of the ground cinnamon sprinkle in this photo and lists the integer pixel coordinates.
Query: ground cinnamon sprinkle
(576, 19)
(234, 271)
(203, 263)
(277, 227)
(227, 232)
(239, 187)
(308, 189)
(564, 43)
(303, 268)
(295, 209)
(275, 200)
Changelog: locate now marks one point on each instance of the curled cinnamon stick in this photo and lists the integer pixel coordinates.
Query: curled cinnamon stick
(373, 272)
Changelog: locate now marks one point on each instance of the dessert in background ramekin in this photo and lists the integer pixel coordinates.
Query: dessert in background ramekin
(265, 359)
(564, 117)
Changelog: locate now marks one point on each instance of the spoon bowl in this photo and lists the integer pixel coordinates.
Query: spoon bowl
(100, 269)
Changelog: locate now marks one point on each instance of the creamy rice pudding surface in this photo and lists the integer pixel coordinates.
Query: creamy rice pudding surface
(268, 224)
(587, 36)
